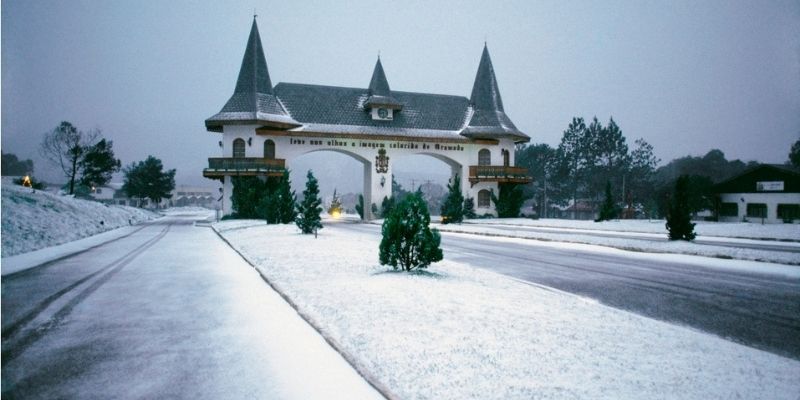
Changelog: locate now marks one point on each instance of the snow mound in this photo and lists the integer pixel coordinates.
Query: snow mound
(33, 220)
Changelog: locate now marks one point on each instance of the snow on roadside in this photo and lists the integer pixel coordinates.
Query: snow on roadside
(458, 332)
(747, 230)
(33, 220)
(674, 247)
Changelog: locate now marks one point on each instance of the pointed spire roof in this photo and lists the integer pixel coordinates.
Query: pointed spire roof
(489, 120)
(378, 85)
(253, 100)
(379, 93)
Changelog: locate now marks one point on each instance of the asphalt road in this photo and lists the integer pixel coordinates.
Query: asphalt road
(168, 312)
(758, 310)
(768, 245)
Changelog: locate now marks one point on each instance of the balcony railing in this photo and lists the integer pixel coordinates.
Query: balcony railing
(219, 167)
(498, 173)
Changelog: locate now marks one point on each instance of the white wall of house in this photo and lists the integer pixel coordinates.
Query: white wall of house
(770, 199)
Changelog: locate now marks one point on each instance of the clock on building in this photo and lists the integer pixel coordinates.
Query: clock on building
(383, 113)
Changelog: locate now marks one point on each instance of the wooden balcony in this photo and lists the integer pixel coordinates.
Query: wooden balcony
(498, 173)
(228, 166)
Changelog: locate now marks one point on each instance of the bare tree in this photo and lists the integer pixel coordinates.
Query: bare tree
(64, 146)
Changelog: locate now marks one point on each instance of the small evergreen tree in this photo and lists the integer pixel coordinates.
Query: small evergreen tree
(469, 208)
(608, 211)
(360, 206)
(510, 200)
(679, 220)
(453, 207)
(247, 198)
(336, 205)
(408, 242)
(308, 211)
(286, 200)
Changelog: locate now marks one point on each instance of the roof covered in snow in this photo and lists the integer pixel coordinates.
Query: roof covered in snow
(341, 110)
(253, 100)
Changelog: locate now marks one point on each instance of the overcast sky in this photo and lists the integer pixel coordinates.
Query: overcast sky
(685, 76)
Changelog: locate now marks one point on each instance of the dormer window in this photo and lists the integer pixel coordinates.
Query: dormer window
(382, 114)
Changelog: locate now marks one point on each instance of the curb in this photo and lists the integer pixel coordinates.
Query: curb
(360, 369)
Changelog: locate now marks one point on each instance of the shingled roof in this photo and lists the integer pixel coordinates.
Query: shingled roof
(379, 93)
(330, 109)
(341, 110)
(253, 100)
(489, 120)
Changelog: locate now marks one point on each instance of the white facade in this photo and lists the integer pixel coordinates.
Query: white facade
(771, 200)
(458, 154)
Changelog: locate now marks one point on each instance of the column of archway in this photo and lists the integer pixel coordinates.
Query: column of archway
(377, 185)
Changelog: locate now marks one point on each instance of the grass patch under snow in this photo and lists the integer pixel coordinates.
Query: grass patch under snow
(33, 220)
(457, 332)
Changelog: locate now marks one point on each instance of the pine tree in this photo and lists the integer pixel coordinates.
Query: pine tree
(360, 206)
(469, 208)
(147, 179)
(453, 207)
(609, 209)
(308, 211)
(98, 164)
(679, 220)
(510, 200)
(286, 200)
(335, 210)
(408, 242)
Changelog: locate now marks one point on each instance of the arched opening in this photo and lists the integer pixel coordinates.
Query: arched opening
(269, 149)
(238, 148)
(484, 198)
(430, 173)
(506, 158)
(484, 157)
(335, 170)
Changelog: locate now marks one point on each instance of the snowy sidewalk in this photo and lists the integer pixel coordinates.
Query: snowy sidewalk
(456, 332)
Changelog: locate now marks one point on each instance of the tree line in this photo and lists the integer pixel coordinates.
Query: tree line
(594, 159)
(87, 161)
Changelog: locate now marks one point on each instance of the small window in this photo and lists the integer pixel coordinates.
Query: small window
(98, 191)
(757, 210)
(484, 157)
(269, 149)
(729, 210)
(484, 198)
(238, 148)
(506, 157)
(789, 212)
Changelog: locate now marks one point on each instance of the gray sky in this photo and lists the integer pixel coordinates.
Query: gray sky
(686, 76)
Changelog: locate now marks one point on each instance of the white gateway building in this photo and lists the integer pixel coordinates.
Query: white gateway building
(264, 128)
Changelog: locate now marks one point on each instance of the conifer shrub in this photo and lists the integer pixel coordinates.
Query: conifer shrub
(608, 210)
(408, 242)
(453, 207)
(679, 217)
(308, 211)
(469, 208)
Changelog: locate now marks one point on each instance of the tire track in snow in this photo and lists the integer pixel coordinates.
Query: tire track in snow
(11, 352)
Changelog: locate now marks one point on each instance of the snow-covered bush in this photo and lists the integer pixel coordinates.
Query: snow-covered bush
(408, 242)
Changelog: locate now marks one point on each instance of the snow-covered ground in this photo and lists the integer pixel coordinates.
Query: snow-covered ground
(33, 220)
(746, 230)
(456, 332)
(632, 243)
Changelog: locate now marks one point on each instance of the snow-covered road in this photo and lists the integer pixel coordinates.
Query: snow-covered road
(756, 309)
(167, 312)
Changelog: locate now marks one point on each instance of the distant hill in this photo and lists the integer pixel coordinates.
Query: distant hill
(33, 220)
